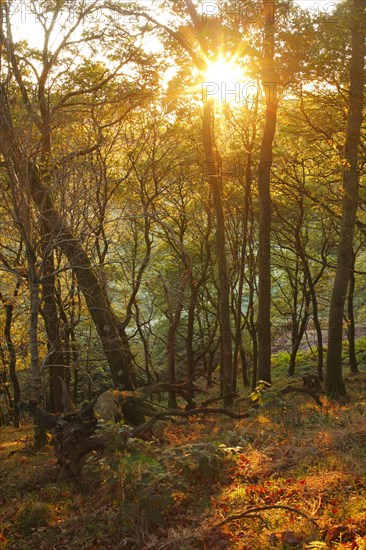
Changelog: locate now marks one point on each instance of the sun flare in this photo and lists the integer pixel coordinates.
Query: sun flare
(222, 71)
(222, 80)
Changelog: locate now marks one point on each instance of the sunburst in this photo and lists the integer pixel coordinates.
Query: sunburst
(221, 80)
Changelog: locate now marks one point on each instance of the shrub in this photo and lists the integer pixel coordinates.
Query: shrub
(31, 516)
(202, 461)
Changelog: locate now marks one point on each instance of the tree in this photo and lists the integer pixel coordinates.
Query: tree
(334, 384)
(270, 84)
(33, 179)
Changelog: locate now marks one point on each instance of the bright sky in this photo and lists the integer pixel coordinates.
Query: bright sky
(26, 27)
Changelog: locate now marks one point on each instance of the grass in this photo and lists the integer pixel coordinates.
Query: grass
(295, 474)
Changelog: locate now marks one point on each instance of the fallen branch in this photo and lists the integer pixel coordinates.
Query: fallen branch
(253, 509)
(295, 389)
(181, 388)
(170, 413)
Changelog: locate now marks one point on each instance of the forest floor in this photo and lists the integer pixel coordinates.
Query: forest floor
(291, 475)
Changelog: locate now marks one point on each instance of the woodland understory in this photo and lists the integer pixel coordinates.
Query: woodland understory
(291, 475)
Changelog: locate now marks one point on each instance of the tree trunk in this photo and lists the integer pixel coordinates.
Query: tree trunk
(56, 359)
(351, 321)
(172, 399)
(314, 301)
(334, 385)
(214, 180)
(25, 174)
(238, 347)
(250, 317)
(298, 335)
(33, 331)
(174, 317)
(190, 332)
(264, 177)
(9, 309)
(244, 367)
(40, 435)
(113, 337)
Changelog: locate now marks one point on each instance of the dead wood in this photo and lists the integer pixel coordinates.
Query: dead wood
(74, 433)
(253, 510)
(296, 389)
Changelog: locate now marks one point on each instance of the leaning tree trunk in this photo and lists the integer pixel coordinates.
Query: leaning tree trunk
(112, 335)
(264, 192)
(214, 180)
(334, 385)
(25, 174)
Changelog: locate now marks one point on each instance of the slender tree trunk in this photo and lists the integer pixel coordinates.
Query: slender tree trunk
(311, 282)
(174, 317)
(334, 385)
(146, 345)
(5, 389)
(36, 391)
(351, 321)
(190, 332)
(40, 435)
(238, 347)
(214, 180)
(9, 309)
(172, 400)
(264, 252)
(244, 367)
(250, 318)
(315, 312)
(56, 360)
(269, 82)
(298, 335)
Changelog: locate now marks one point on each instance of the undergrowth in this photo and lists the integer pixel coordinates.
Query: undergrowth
(290, 476)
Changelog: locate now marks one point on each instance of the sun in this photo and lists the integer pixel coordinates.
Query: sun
(222, 80)
(222, 70)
